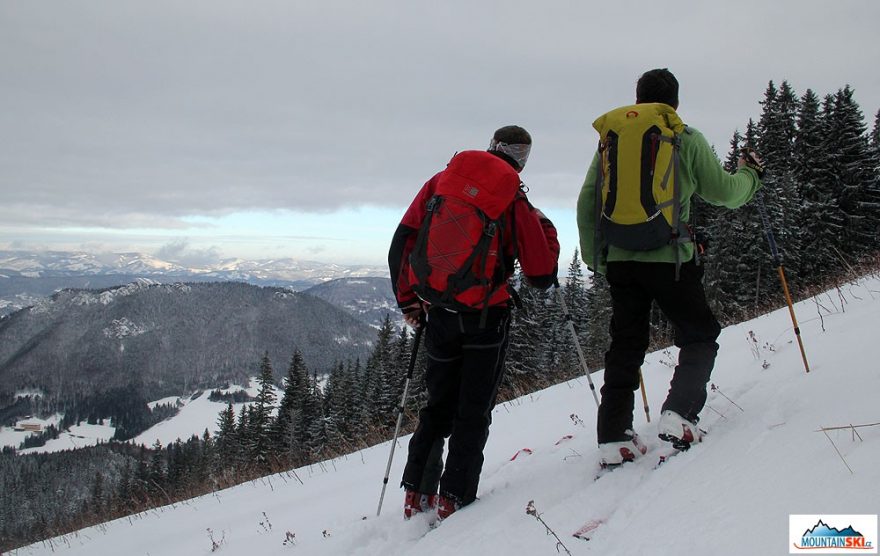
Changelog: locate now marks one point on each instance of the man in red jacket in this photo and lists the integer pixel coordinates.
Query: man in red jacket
(466, 348)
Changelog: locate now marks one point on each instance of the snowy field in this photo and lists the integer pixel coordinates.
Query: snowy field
(195, 416)
(764, 459)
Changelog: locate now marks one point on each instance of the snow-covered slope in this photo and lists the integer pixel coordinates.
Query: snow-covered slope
(731, 495)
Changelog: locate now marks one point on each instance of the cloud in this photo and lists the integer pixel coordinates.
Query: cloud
(82, 214)
(179, 251)
(144, 114)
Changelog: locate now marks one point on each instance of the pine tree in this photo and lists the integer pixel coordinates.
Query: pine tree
(738, 259)
(599, 308)
(576, 298)
(379, 370)
(333, 397)
(125, 488)
(402, 349)
(872, 197)
(336, 395)
(777, 130)
(811, 170)
(550, 328)
(418, 391)
(355, 409)
(156, 474)
(141, 481)
(97, 499)
(225, 452)
(261, 440)
(753, 274)
(714, 232)
(207, 457)
(241, 446)
(291, 425)
(524, 348)
(875, 134)
(317, 426)
(854, 172)
(176, 467)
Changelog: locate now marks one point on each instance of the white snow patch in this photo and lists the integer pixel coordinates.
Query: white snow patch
(123, 328)
(78, 436)
(13, 438)
(32, 392)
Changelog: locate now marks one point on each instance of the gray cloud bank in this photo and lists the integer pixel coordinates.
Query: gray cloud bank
(137, 114)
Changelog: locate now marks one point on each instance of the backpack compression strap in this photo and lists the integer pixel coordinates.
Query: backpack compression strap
(677, 237)
(597, 232)
(464, 278)
(420, 249)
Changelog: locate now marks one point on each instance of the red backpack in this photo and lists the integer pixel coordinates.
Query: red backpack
(457, 261)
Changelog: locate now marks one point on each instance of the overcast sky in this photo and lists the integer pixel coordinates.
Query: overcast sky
(261, 129)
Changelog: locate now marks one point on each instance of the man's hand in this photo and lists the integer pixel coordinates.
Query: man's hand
(750, 159)
(412, 315)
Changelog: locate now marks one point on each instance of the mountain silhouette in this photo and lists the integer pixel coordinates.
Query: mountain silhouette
(822, 529)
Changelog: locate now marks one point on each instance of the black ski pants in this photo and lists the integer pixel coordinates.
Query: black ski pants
(634, 285)
(465, 365)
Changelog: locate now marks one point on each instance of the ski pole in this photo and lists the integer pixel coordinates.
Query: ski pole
(777, 260)
(644, 395)
(569, 322)
(409, 374)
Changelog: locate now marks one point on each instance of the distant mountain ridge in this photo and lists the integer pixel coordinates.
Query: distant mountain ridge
(169, 338)
(370, 299)
(27, 276)
(34, 264)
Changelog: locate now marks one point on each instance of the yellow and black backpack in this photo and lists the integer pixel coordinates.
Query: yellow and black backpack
(638, 205)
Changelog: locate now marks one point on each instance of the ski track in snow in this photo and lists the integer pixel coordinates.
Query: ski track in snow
(730, 495)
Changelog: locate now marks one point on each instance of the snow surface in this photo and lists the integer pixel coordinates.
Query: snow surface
(730, 495)
(77, 436)
(11, 437)
(194, 417)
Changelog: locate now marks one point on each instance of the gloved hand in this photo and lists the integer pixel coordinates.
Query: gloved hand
(413, 315)
(750, 159)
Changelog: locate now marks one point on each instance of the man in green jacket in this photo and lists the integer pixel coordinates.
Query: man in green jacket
(637, 278)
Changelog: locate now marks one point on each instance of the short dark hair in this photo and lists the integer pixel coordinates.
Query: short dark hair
(657, 85)
(512, 135)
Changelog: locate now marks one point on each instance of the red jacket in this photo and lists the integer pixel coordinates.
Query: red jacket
(537, 246)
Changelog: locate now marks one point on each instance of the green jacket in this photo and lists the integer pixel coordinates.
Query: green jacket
(701, 173)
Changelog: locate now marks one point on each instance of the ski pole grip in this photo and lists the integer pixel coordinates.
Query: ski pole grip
(748, 156)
